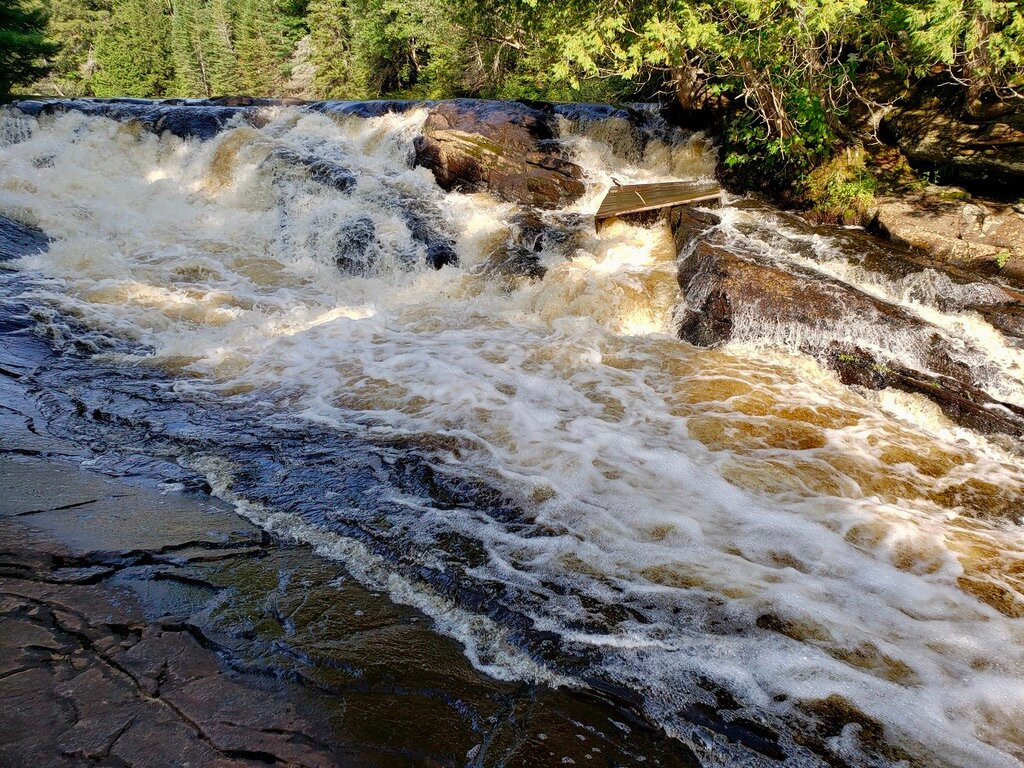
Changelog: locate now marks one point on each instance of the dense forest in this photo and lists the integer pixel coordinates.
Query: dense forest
(784, 78)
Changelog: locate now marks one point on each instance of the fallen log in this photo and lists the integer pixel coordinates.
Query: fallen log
(637, 198)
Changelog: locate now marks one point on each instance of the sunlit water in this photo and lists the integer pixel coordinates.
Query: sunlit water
(687, 517)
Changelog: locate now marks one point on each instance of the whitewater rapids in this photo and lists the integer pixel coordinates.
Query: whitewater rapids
(684, 519)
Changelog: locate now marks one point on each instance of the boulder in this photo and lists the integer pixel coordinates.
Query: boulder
(506, 148)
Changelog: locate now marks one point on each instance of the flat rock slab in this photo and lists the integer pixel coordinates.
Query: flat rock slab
(140, 628)
(95, 513)
(958, 229)
(984, 155)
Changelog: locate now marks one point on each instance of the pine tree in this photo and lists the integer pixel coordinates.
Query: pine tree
(265, 36)
(23, 45)
(221, 58)
(134, 55)
(189, 31)
(330, 24)
(77, 24)
(254, 45)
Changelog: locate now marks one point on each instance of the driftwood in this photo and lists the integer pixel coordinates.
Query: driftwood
(636, 198)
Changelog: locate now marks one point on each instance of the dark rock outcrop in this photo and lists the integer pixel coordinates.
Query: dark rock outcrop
(959, 400)
(376, 108)
(506, 148)
(203, 118)
(253, 101)
(983, 155)
(180, 117)
(733, 294)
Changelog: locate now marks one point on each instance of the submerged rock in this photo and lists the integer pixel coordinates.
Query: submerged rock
(529, 235)
(355, 240)
(440, 248)
(18, 239)
(326, 172)
(506, 148)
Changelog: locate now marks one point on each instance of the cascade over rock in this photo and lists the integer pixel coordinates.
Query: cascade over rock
(506, 148)
(514, 449)
(734, 294)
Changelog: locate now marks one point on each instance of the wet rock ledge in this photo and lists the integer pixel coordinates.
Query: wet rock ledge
(141, 628)
(732, 293)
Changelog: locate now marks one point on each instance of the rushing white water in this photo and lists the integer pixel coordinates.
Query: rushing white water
(764, 527)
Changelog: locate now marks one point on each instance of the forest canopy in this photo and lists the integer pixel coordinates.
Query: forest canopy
(786, 73)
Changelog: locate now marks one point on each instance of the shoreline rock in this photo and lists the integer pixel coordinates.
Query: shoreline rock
(984, 236)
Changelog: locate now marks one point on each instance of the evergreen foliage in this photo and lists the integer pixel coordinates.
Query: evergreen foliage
(23, 44)
(191, 32)
(133, 55)
(77, 25)
(330, 25)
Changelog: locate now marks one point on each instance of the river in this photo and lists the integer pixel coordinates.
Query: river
(540, 464)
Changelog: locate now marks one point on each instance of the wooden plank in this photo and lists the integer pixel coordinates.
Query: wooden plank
(634, 198)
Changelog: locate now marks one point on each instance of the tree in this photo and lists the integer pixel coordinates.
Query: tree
(77, 24)
(330, 24)
(134, 55)
(788, 67)
(189, 38)
(981, 41)
(23, 45)
(222, 60)
(265, 37)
